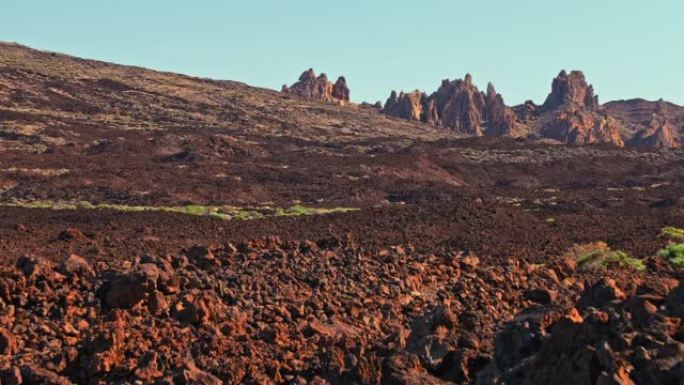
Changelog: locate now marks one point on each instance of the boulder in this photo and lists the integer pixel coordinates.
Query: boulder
(8, 343)
(192, 375)
(76, 265)
(125, 290)
(11, 376)
(199, 309)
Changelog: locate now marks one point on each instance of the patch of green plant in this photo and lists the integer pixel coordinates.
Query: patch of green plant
(304, 210)
(673, 232)
(219, 212)
(599, 256)
(197, 210)
(674, 254)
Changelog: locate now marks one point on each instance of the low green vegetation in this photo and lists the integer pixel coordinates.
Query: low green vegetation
(303, 210)
(598, 255)
(219, 212)
(673, 232)
(674, 254)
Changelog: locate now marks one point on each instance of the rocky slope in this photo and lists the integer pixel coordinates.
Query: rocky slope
(49, 99)
(268, 312)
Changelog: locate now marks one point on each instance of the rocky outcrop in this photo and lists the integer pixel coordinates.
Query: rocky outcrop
(572, 113)
(457, 105)
(407, 106)
(659, 136)
(340, 90)
(571, 89)
(660, 133)
(573, 125)
(320, 88)
(461, 106)
(500, 120)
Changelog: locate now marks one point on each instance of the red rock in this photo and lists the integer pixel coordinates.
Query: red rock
(76, 265)
(661, 133)
(573, 125)
(649, 124)
(542, 296)
(199, 309)
(104, 350)
(430, 114)
(148, 370)
(70, 234)
(158, 304)
(201, 256)
(312, 87)
(406, 106)
(32, 266)
(571, 89)
(461, 105)
(602, 293)
(574, 316)
(340, 90)
(500, 120)
(573, 115)
(405, 369)
(194, 376)
(11, 376)
(8, 343)
(457, 105)
(126, 290)
(37, 375)
(167, 280)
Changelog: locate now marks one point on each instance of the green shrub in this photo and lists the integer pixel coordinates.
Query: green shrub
(196, 210)
(674, 254)
(599, 256)
(673, 232)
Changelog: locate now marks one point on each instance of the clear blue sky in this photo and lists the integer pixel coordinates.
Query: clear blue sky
(627, 48)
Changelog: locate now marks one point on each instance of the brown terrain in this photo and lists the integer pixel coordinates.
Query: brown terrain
(161, 229)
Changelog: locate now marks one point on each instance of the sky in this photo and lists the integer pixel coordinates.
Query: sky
(627, 48)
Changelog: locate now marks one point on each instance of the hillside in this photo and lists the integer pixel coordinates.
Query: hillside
(117, 133)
